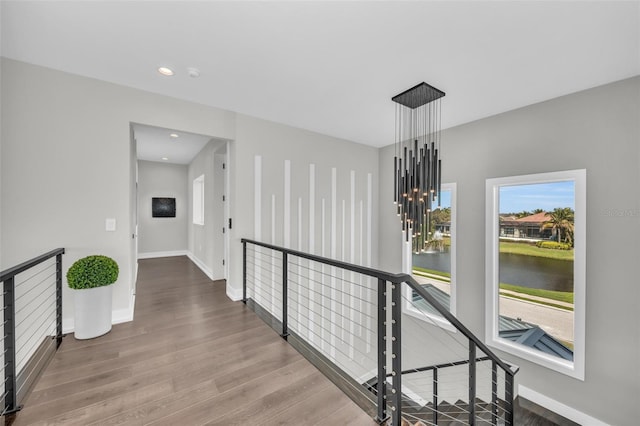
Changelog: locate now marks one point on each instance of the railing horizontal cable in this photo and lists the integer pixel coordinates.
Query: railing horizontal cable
(332, 306)
(396, 278)
(337, 278)
(11, 272)
(344, 293)
(49, 297)
(321, 325)
(457, 324)
(338, 349)
(21, 279)
(32, 313)
(48, 280)
(432, 331)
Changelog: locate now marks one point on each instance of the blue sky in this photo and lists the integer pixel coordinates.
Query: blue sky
(445, 201)
(546, 196)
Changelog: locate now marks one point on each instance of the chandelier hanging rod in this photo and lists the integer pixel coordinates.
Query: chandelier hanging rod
(417, 163)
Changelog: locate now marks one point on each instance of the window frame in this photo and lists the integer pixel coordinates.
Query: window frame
(573, 368)
(407, 306)
(198, 200)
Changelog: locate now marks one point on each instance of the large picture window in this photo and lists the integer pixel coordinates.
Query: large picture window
(535, 279)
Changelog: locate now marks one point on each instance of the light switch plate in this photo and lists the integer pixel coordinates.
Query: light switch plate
(110, 224)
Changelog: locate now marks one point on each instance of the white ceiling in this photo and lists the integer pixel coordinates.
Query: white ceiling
(332, 67)
(156, 144)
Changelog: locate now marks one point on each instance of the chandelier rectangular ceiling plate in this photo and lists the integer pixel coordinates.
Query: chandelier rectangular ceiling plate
(418, 95)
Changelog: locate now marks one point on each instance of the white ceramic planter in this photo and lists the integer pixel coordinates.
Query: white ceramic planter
(92, 311)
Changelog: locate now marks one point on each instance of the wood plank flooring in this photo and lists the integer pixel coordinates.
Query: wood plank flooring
(191, 356)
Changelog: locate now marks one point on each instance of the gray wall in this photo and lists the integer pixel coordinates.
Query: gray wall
(219, 222)
(202, 238)
(65, 146)
(597, 130)
(133, 209)
(66, 165)
(162, 234)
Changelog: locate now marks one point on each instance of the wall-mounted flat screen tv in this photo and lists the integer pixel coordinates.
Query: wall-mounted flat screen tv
(163, 207)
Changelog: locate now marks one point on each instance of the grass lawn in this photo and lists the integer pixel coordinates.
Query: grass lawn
(539, 302)
(561, 296)
(432, 272)
(531, 250)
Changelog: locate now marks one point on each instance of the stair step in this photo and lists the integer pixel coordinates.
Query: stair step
(456, 414)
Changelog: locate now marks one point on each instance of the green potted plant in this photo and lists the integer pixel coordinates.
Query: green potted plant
(91, 278)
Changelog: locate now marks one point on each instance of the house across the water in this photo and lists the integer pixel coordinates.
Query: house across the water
(528, 227)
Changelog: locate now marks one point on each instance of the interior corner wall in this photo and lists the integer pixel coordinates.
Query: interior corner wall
(202, 238)
(158, 235)
(2, 265)
(133, 211)
(220, 224)
(295, 178)
(65, 166)
(597, 130)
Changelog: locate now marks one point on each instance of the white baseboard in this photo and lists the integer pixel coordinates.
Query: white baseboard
(559, 408)
(154, 254)
(200, 264)
(234, 294)
(124, 315)
(68, 326)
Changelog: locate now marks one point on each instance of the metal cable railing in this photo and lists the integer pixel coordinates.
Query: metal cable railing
(32, 324)
(453, 381)
(352, 321)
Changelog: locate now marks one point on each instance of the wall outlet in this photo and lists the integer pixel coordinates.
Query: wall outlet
(110, 224)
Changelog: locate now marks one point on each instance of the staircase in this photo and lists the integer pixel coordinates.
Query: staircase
(446, 413)
(353, 322)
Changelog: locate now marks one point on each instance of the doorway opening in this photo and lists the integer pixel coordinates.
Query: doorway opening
(192, 170)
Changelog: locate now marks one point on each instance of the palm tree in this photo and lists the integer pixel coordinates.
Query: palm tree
(561, 222)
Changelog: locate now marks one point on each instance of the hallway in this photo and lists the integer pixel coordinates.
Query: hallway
(191, 356)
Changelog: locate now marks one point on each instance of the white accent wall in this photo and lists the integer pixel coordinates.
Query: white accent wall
(296, 179)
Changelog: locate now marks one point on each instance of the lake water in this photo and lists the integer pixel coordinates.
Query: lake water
(526, 271)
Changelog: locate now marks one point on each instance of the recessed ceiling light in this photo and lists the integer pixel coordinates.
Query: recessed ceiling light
(174, 135)
(165, 71)
(193, 72)
(165, 158)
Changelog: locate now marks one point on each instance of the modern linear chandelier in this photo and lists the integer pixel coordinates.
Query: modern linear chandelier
(417, 161)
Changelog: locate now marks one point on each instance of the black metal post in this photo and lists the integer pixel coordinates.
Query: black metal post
(494, 393)
(508, 418)
(10, 373)
(58, 300)
(396, 353)
(435, 396)
(244, 272)
(285, 294)
(472, 382)
(381, 386)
